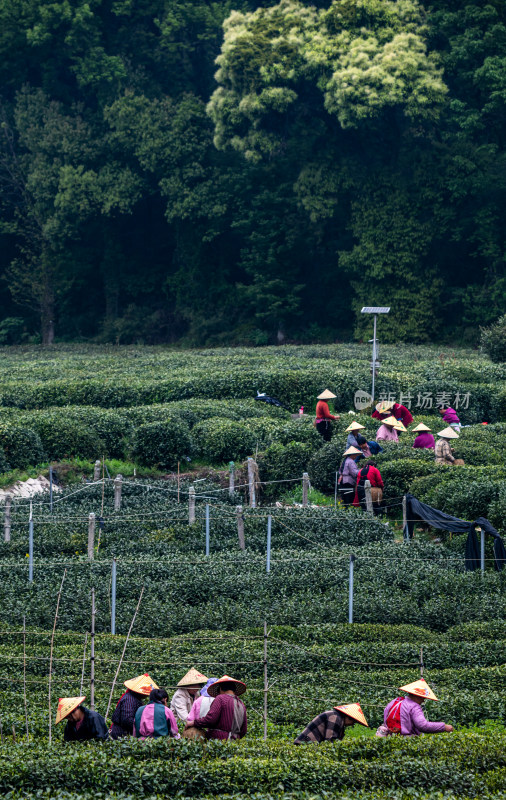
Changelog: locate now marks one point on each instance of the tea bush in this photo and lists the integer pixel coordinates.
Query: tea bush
(280, 462)
(219, 440)
(493, 340)
(162, 443)
(22, 447)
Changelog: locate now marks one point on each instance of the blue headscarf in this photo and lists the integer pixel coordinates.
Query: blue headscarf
(203, 691)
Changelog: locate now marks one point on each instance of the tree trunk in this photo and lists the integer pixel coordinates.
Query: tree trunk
(47, 310)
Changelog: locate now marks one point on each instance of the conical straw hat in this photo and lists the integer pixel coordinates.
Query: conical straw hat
(400, 426)
(421, 427)
(448, 433)
(355, 426)
(390, 421)
(354, 711)
(240, 687)
(66, 705)
(326, 395)
(420, 688)
(142, 685)
(384, 406)
(352, 451)
(193, 678)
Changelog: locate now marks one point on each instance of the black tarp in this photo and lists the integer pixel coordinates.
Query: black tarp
(416, 510)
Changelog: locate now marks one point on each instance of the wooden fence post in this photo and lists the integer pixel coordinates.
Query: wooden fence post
(91, 536)
(191, 505)
(305, 488)
(7, 518)
(368, 497)
(118, 483)
(240, 526)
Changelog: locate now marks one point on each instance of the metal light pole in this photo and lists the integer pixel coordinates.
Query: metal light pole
(374, 310)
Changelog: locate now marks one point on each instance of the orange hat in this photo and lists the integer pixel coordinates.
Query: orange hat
(240, 687)
(420, 688)
(354, 711)
(142, 685)
(193, 678)
(66, 705)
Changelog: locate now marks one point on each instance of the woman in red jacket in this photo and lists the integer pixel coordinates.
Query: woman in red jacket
(323, 415)
(387, 409)
(371, 473)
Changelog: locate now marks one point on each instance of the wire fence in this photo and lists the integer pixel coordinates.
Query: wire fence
(270, 665)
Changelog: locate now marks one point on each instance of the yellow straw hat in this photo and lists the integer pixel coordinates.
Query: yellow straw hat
(354, 711)
(355, 426)
(448, 433)
(384, 406)
(193, 678)
(326, 395)
(66, 705)
(390, 421)
(352, 451)
(421, 427)
(420, 688)
(240, 687)
(142, 684)
(400, 426)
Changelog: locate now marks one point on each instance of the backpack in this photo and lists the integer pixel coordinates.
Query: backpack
(362, 476)
(393, 721)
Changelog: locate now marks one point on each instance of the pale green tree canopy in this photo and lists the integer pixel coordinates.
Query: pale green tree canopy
(353, 61)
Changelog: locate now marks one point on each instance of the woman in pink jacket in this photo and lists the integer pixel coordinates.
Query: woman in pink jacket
(404, 715)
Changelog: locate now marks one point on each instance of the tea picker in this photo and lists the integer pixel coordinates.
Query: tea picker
(404, 715)
(330, 725)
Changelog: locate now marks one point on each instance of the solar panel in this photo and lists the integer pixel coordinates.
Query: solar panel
(375, 310)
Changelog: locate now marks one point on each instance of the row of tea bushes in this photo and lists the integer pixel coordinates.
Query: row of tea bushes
(132, 377)
(464, 764)
(467, 676)
(393, 584)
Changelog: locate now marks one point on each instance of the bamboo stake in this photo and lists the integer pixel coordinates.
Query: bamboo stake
(123, 653)
(24, 677)
(51, 653)
(92, 652)
(103, 486)
(84, 664)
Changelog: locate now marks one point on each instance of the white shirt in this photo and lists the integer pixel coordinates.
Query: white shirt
(181, 703)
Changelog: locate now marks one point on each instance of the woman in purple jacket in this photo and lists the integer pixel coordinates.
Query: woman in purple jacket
(451, 418)
(404, 715)
(348, 472)
(425, 438)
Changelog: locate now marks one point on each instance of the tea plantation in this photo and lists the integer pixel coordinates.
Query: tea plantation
(414, 602)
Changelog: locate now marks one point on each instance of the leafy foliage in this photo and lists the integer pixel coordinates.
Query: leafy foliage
(493, 340)
(22, 446)
(161, 443)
